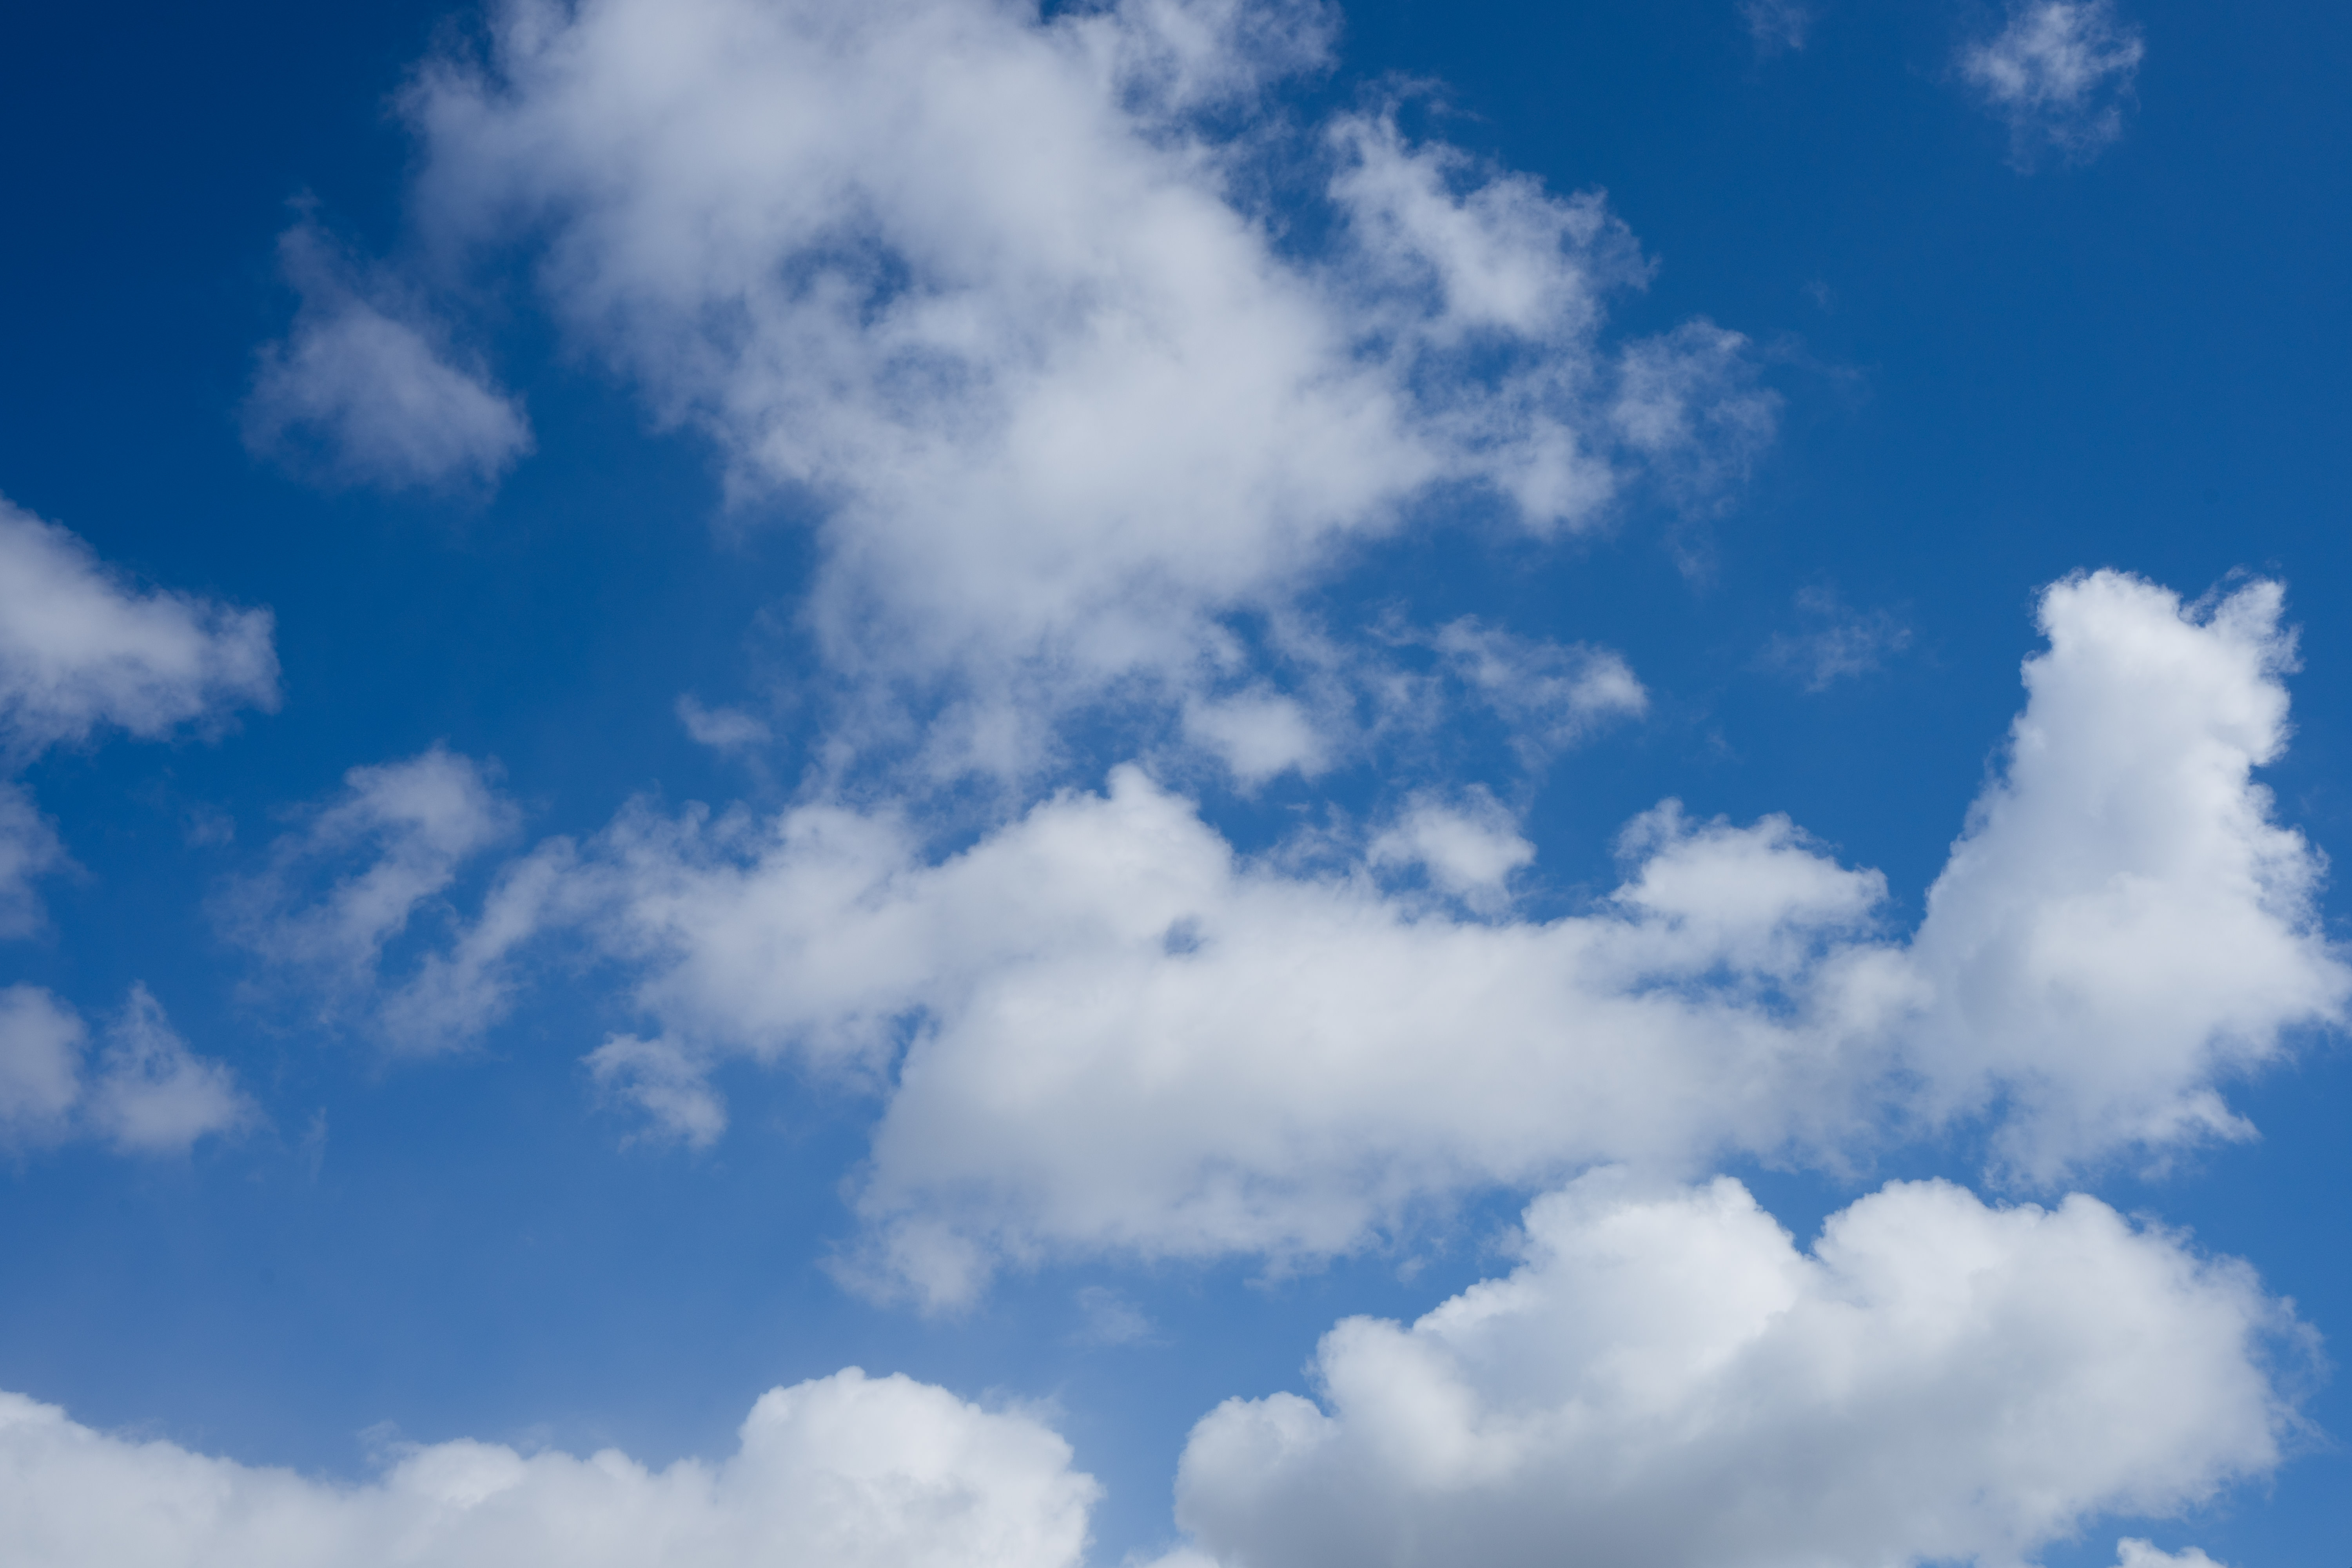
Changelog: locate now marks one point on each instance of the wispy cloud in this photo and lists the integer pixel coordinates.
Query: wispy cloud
(1836, 642)
(1777, 25)
(2060, 74)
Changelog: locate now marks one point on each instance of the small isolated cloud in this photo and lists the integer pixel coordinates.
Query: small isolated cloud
(81, 649)
(1776, 25)
(1669, 1380)
(722, 728)
(2060, 74)
(148, 1093)
(666, 1081)
(1836, 642)
(364, 390)
(849, 1471)
(1108, 1318)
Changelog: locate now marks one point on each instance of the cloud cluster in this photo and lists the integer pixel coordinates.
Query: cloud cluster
(848, 1471)
(364, 389)
(989, 291)
(2060, 74)
(146, 1093)
(83, 650)
(1667, 1381)
(1100, 1027)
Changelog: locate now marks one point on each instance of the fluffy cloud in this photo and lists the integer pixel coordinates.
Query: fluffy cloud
(149, 1094)
(1099, 1028)
(986, 287)
(2124, 927)
(362, 390)
(848, 1471)
(82, 649)
(1118, 1033)
(1667, 1380)
(2059, 74)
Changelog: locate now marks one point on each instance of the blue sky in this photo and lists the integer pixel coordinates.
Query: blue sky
(1226, 734)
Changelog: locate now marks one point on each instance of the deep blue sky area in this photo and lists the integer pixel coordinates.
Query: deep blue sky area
(1988, 378)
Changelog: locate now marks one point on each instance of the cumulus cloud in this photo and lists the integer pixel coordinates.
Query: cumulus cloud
(1099, 1026)
(2060, 75)
(145, 1093)
(2124, 927)
(81, 649)
(983, 285)
(1667, 1380)
(848, 1471)
(365, 389)
(1109, 1030)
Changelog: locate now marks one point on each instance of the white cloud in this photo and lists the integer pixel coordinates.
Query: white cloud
(1666, 1380)
(29, 848)
(1468, 849)
(848, 1471)
(41, 1043)
(349, 880)
(2060, 74)
(722, 728)
(1776, 25)
(2121, 929)
(1256, 734)
(1098, 1027)
(1552, 694)
(149, 1094)
(984, 287)
(2124, 929)
(362, 388)
(81, 649)
(2132, 1553)
(666, 1082)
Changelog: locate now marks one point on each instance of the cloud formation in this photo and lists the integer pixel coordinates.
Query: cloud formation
(1667, 1381)
(349, 879)
(82, 649)
(363, 388)
(848, 1471)
(148, 1093)
(1098, 1027)
(2060, 75)
(989, 291)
